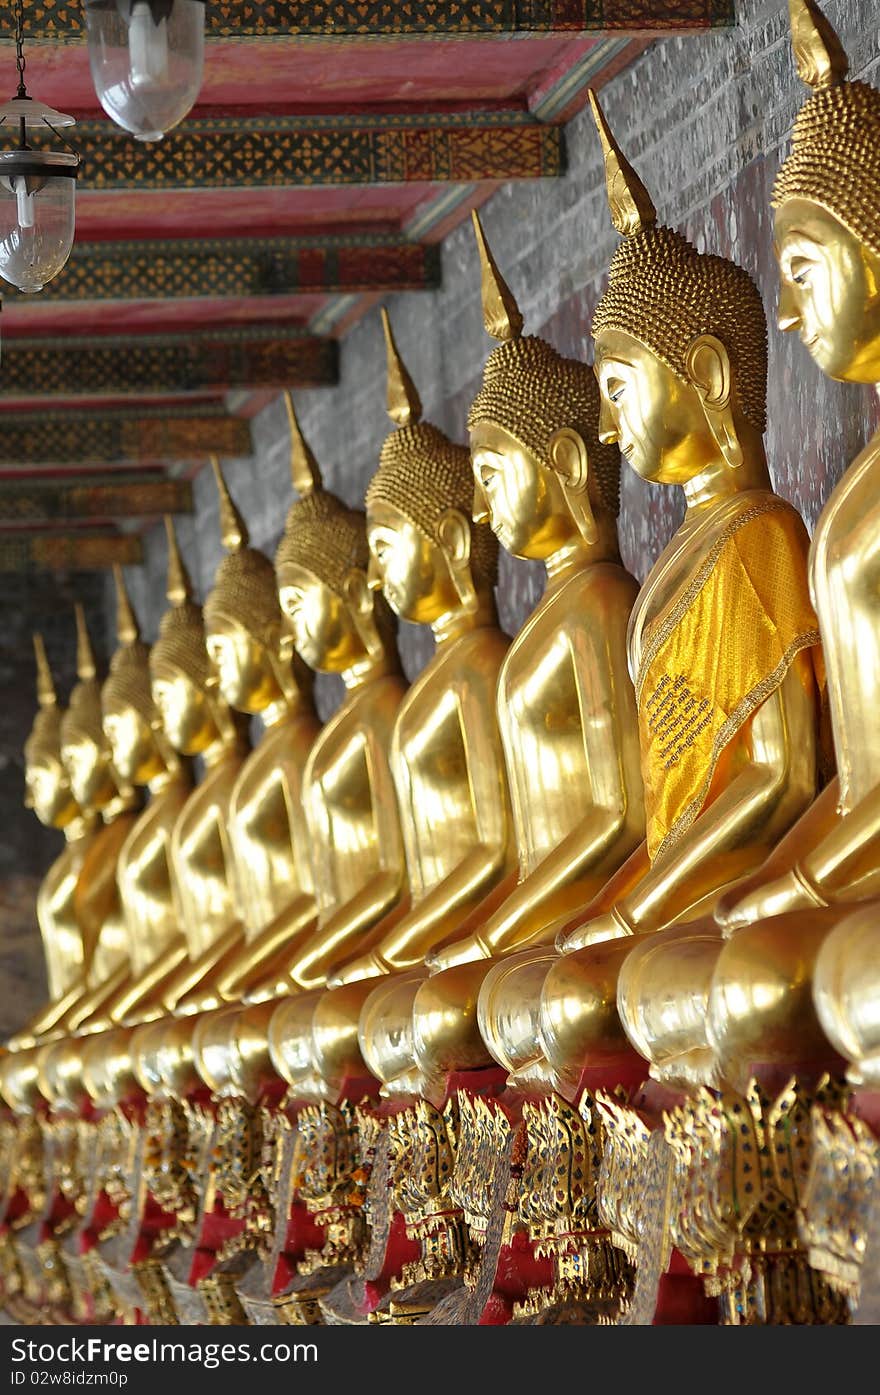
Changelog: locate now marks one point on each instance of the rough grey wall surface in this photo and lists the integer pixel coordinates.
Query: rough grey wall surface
(705, 120)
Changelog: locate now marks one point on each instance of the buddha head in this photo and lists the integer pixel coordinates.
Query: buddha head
(85, 749)
(337, 622)
(47, 783)
(427, 555)
(183, 683)
(827, 209)
(140, 749)
(247, 639)
(542, 477)
(681, 343)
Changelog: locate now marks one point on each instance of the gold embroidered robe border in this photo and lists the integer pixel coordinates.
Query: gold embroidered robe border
(720, 648)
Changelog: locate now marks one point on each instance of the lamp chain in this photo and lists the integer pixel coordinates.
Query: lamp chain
(19, 47)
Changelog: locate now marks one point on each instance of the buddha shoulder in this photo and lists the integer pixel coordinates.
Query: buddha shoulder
(589, 607)
(471, 662)
(371, 709)
(847, 527)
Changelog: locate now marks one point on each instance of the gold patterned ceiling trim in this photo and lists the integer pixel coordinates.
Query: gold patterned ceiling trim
(280, 151)
(36, 500)
(255, 19)
(239, 268)
(163, 364)
(79, 552)
(121, 437)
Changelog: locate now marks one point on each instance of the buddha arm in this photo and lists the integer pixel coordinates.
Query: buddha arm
(844, 866)
(734, 832)
(342, 929)
(576, 869)
(775, 887)
(441, 909)
(285, 931)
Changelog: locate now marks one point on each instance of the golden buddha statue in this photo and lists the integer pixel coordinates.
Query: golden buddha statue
(197, 722)
(99, 790)
(48, 793)
(828, 249)
(728, 730)
(730, 757)
(258, 673)
(339, 625)
(435, 566)
(827, 242)
(143, 756)
(549, 488)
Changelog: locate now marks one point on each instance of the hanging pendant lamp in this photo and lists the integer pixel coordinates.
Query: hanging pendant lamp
(147, 58)
(37, 187)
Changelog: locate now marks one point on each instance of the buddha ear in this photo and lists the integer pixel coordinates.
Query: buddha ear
(359, 598)
(454, 536)
(280, 650)
(708, 366)
(570, 461)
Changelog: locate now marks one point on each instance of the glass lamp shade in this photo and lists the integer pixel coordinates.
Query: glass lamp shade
(37, 210)
(147, 58)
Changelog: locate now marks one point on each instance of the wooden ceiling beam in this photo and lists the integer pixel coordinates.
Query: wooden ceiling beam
(29, 501)
(239, 268)
(165, 365)
(76, 552)
(234, 152)
(120, 437)
(341, 19)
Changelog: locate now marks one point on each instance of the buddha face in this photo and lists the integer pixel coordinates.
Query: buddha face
(88, 767)
(658, 421)
(242, 666)
(133, 745)
(48, 793)
(829, 291)
(412, 570)
(185, 711)
(323, 627)
(521, 499)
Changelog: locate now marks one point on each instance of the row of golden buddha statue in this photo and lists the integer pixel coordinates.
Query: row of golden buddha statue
(544, 989)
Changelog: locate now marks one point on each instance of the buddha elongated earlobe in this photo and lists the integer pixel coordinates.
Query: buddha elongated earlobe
(360, 600)
(708, 365)
(454, 536)
(279, 648)
(570, 460)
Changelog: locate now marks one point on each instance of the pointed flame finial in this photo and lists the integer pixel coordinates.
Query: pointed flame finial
(305, 471)
(404, 403)
(233, 529)
(629, 201)
(127, 627)
(501, 314)
(179, 587)
(46, 695)
(85, 656)
(818, 53)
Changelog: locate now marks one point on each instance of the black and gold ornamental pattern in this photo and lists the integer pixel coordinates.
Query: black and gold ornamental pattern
(121, 436)
(239, 268)
(166, 364)
(225, 152)
(63, 19)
